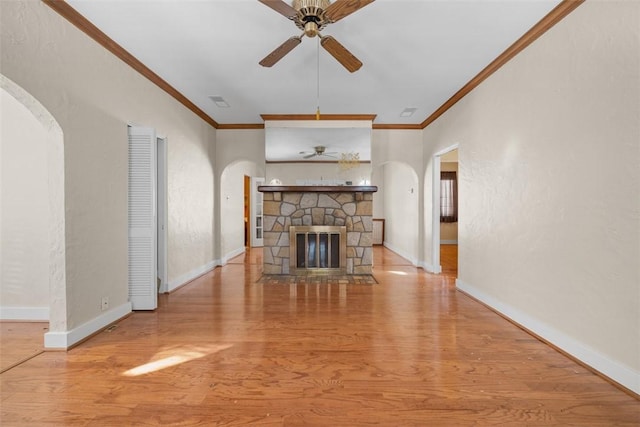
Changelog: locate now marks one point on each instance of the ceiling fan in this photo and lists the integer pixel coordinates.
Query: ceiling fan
(312, 16)
(319, 151)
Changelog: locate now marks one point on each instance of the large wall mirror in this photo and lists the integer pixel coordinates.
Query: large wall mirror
(318, 152)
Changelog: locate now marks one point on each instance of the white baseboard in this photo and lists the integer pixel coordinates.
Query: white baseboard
(193, 274)
(449, 242)
(429, 267)
(403, 254)
(233, 254)
(612, 369)
(27, 314)
(64, 340)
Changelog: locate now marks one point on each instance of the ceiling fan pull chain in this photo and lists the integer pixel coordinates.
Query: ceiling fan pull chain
(318, 86)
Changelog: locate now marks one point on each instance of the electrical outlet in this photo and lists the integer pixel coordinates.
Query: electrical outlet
(105, 303)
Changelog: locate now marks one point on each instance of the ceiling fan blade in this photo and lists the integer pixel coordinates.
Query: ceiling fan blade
(280, 51)
(310, 156)
(341, 53)
(341, 8)
(281, 7)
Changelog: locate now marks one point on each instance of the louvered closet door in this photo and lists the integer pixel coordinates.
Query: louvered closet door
(143, 292)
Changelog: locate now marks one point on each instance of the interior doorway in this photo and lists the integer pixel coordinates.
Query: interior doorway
(247, 211)
(27, 116)
(162, 214)
(449, 213)
(445, 211)
(147, 217)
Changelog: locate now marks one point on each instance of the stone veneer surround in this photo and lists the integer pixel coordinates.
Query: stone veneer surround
(341, 206)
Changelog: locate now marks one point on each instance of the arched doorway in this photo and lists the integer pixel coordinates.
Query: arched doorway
(232, 207)
(49, 138)
(397, 201)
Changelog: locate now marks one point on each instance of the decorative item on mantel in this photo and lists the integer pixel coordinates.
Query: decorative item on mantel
(349, 161)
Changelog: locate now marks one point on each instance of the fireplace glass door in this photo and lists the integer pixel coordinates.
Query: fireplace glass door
(317, 249)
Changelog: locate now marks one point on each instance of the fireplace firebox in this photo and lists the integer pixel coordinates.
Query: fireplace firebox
(317, 249)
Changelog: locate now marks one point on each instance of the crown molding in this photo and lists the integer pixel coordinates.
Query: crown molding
(244, 126)
(399, 126)
(389, 126)
(266, 117)
(240, 126)
(84, 25)
(551, 19)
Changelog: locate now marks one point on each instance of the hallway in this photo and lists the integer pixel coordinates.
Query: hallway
(226, 350)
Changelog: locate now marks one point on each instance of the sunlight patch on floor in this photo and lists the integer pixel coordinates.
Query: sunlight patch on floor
(397, 273)
(173, 357)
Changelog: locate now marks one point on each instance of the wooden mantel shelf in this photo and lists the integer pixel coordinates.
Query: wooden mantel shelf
(317, 188)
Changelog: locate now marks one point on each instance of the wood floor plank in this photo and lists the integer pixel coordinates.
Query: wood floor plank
(229, 350)
(19, 341)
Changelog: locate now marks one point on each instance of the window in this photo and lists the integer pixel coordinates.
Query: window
(448, 197)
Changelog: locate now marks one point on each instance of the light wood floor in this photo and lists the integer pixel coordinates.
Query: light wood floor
(449, 260)
(226, 350)
(20, 341)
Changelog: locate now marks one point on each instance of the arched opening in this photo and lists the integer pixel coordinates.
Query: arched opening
(45, 145)
(232, 207)
(397, 201)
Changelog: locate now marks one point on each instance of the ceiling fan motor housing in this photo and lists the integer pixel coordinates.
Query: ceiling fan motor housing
(311, 18)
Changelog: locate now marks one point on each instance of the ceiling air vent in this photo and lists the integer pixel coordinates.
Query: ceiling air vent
(408, 112)
(219, 101)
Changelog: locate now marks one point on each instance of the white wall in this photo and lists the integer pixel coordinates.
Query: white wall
(401, 211)
(289, 173)
(190, 187)
(549, 230)
(237, 145)
(93, 96)
(237, 153)
(232, 207)
(397, 161)
(24, 213)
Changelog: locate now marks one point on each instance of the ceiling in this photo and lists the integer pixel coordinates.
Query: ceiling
(416, 54)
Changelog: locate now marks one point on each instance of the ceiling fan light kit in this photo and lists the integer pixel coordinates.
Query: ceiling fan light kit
(311, 16)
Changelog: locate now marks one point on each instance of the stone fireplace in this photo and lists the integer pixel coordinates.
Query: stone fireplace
(318, 229)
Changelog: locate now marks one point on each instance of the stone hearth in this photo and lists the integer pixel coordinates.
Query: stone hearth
(349, 206)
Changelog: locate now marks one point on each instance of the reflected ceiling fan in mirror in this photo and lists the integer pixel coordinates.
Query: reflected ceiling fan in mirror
(311, 16)
(319, 151)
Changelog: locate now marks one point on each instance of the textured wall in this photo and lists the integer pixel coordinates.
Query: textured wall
(549, 147)
(232, 206)
(93, 96)
(401, 210)
(24, 214)
(397, 162)
(241, 152)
